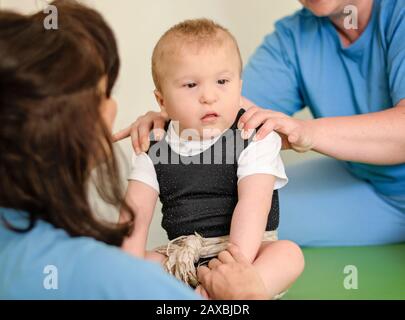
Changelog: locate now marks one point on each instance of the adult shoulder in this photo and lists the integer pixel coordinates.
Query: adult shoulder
(107, 272)
(295, 22)
(391, 15)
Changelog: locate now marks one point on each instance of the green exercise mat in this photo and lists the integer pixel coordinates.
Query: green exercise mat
(330, 273)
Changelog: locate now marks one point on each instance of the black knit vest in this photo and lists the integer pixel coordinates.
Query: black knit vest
(199, 193)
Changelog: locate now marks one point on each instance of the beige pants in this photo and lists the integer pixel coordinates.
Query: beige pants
(184, 252)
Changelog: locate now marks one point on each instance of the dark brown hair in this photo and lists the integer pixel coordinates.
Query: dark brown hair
(51, 130)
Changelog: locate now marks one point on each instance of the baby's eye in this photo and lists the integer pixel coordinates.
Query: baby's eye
(190, 85)
(222, 81)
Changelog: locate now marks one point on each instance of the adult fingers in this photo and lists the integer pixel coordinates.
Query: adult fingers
(266, 128)
(203, 273)
(258, 118)
(135, 140)
(282, 125)
(131, 131)
(214, 263)
(144, 129)
(246, 116)
(122, 134)
(158, 128)
(225, 257)
(237, 254)
(199, 290)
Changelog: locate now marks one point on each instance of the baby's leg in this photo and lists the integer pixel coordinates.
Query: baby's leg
(155, 256)
(279, 263)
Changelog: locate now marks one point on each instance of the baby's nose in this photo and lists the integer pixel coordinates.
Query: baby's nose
(208, 96)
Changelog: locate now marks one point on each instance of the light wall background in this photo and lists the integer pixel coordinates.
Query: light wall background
(138, 24)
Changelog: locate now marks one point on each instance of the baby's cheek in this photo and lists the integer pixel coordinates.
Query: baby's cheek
(227, 121)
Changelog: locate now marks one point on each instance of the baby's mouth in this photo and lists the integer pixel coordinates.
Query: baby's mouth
(210, 116)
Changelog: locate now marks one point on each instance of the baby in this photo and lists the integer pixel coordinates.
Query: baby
(214, 186)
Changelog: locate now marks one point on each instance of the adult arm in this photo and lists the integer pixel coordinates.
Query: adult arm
(376, 138)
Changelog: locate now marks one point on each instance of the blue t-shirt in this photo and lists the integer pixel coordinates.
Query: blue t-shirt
(304, 64)
(47, 263)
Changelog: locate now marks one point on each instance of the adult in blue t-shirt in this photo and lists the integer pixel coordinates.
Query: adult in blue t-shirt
(345, 60)
(47, 263)
(353, 81)
(56, 115)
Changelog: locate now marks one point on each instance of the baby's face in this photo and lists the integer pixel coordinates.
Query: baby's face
(201, 89)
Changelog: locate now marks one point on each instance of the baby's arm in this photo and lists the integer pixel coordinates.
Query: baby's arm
(250, 215)
(142, 199)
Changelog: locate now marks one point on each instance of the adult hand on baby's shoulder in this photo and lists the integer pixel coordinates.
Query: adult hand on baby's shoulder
(140, 129)
(296, 134)
(232, 277)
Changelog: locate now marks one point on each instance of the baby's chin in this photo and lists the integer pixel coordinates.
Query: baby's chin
(214, 130)
(210, 132)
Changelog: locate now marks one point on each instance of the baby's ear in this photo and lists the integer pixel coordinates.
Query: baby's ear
(159, 98)
(160, 101)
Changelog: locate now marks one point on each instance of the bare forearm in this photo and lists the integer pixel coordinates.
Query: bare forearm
(251, 212)
(377, 138)
(136, 243)
(248, 226)
(142, 200)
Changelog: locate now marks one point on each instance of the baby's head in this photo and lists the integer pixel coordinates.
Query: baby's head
(196, 68)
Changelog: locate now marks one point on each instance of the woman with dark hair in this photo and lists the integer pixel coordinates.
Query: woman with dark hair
(56, 115)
